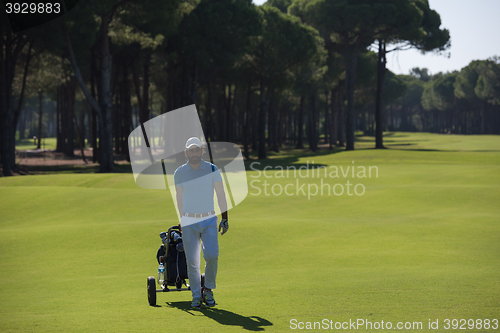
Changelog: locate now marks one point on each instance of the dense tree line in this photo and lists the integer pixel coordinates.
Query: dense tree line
(303, 72)
(461, 102)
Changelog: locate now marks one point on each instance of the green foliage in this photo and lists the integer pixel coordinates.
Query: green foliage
(298, 8)
(488, 83)
(46, 72)
(366, 70)
(287, 45)
(394, 88)
(148, 23)
(466, 82)
(399, 21)
(343, 22)
(431, 37)
(216, 33)
(421, 74)
(439, 94)
(414, 90)
(282, 5)
(366, 74)
(334, 61)
(123, 35)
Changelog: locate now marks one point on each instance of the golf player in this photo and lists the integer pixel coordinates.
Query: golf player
(195, 183)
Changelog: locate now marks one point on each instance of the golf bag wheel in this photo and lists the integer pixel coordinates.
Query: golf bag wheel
(152, 291)
(178, 284)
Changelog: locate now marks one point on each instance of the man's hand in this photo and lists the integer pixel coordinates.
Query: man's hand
(224, 225)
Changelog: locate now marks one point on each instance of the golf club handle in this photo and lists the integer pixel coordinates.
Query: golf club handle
(175, 227)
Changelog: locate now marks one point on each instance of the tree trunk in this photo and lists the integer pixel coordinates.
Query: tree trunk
(220, 118)
(410, 120)
(22, 125)
(341, 122)
(169, 73)
(334, 118)
(255, 128)
(3, 104)
(88, 135)
(483, 111)
(145, 89)
(300, 125)
(117, 117)
(90, 99)
(127, 110)
(140, 101)
(81, 128)
(262, 153)
(247, 121)
(272, 120)
(69, 127)
(351, 60)
(232, 119)
(280, 124)
(193, 84)
(64, 119)
(270, 123)
(58, 121)
(71, 97)
(381, 70)
(23, 86)
(93, 72)
(276, 109)
(106, 103)
(312, 136)
(7, 116)
(289, 127)
(327, 117)
(208, 114)
(40, 114)
(228, 95)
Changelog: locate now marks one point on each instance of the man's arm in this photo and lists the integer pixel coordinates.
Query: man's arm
(221, 198)
(178, 191)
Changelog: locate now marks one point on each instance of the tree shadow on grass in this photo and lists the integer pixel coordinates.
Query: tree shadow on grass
(224, 317)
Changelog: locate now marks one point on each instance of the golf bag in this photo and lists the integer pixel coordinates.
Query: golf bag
(174, 258)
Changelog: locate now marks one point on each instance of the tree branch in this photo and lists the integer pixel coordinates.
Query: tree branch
(93, 103)
(137, 91)
(113, 10)
(404, 47)
(21, 97)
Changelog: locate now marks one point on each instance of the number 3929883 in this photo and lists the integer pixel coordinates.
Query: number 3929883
(33, 8)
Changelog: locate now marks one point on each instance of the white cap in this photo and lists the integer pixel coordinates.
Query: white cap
(193, 141)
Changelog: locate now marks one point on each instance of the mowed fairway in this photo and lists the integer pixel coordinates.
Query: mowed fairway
(421, 243)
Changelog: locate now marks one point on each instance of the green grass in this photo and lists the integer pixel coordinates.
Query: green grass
(47, 143)
(423, 242)
(25, 144)
(430, 142)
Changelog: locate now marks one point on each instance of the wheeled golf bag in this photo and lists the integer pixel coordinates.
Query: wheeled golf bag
(174, 258)
(171, 254)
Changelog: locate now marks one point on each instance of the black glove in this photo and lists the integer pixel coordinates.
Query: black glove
(224, 225)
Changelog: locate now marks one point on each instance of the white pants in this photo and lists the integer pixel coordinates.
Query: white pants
(192, 232)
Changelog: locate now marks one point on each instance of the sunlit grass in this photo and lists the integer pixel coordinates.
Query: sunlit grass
(422, 242)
